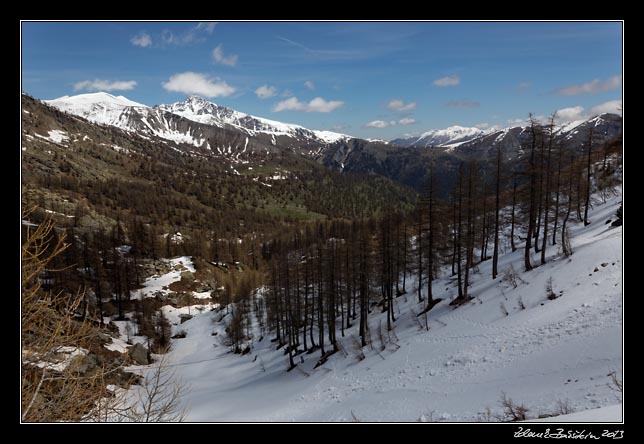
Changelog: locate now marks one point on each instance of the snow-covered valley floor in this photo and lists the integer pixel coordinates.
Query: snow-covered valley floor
(551, 351)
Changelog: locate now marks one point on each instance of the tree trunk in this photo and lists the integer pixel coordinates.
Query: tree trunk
(495, 254)
(514, 201)
(546, 203)
(533, 186)
(557, 187)
(590, 148)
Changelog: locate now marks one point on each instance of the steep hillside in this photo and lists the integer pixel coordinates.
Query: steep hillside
(229, 183)
(552, 356)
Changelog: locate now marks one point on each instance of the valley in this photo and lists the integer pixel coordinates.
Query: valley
(437, 237)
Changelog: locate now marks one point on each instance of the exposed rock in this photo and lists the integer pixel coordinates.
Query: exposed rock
(83, 364)
(184, 317)
(139, 354)
(188, 275)
(180, 335)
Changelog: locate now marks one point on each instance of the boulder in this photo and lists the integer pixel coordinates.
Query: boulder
(188, 276)
(139, 354)
(84, 363)
(184, 317)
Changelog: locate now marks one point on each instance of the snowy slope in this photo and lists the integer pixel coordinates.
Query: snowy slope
(452, 136)
(612, 413)
(99, 107)
(559, 350)
(200, 110)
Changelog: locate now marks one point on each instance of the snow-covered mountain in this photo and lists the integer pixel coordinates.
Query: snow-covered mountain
(200, 110)
(169, 121)
(99, 107)
(472, 139)
(574, 135)
(452, 136)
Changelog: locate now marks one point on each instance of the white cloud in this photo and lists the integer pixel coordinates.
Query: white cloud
(400, 106)
(464, 104)
(447, 81)
(386, 123)
(487, 126)
(317, 105)
(142, 39)
(380, 124)
(197, 83)
(105, 85)
(218, 56)
(517, 122)
(570, 114)
(266, 92)
(309, 85)
(340, 127)
(612, 106)
(592, 87)
(207, 27)
(192, 35)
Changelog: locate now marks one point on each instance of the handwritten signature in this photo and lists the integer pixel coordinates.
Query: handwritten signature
(568, 434)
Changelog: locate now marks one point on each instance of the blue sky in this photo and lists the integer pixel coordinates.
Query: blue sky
(367, 79)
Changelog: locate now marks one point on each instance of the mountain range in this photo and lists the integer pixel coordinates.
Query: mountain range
(196, 124)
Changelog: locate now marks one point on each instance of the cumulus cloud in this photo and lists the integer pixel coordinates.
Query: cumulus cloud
(570, 114)
(219, 57)
(266, 92)
(142, 39)
(517, 122)
(386, 123)
(399, 105)
(105, 85)
(592, 87)
(309, 85)
(380, 124)
(317, 105)
(447, 81)
(612, 106)
(464, 104)
(197, 83)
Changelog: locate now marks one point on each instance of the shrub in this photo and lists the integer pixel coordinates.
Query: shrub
(512, 411)
(550, 294)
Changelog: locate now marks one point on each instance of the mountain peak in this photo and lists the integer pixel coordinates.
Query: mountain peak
(96, 98)
(197, 100)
